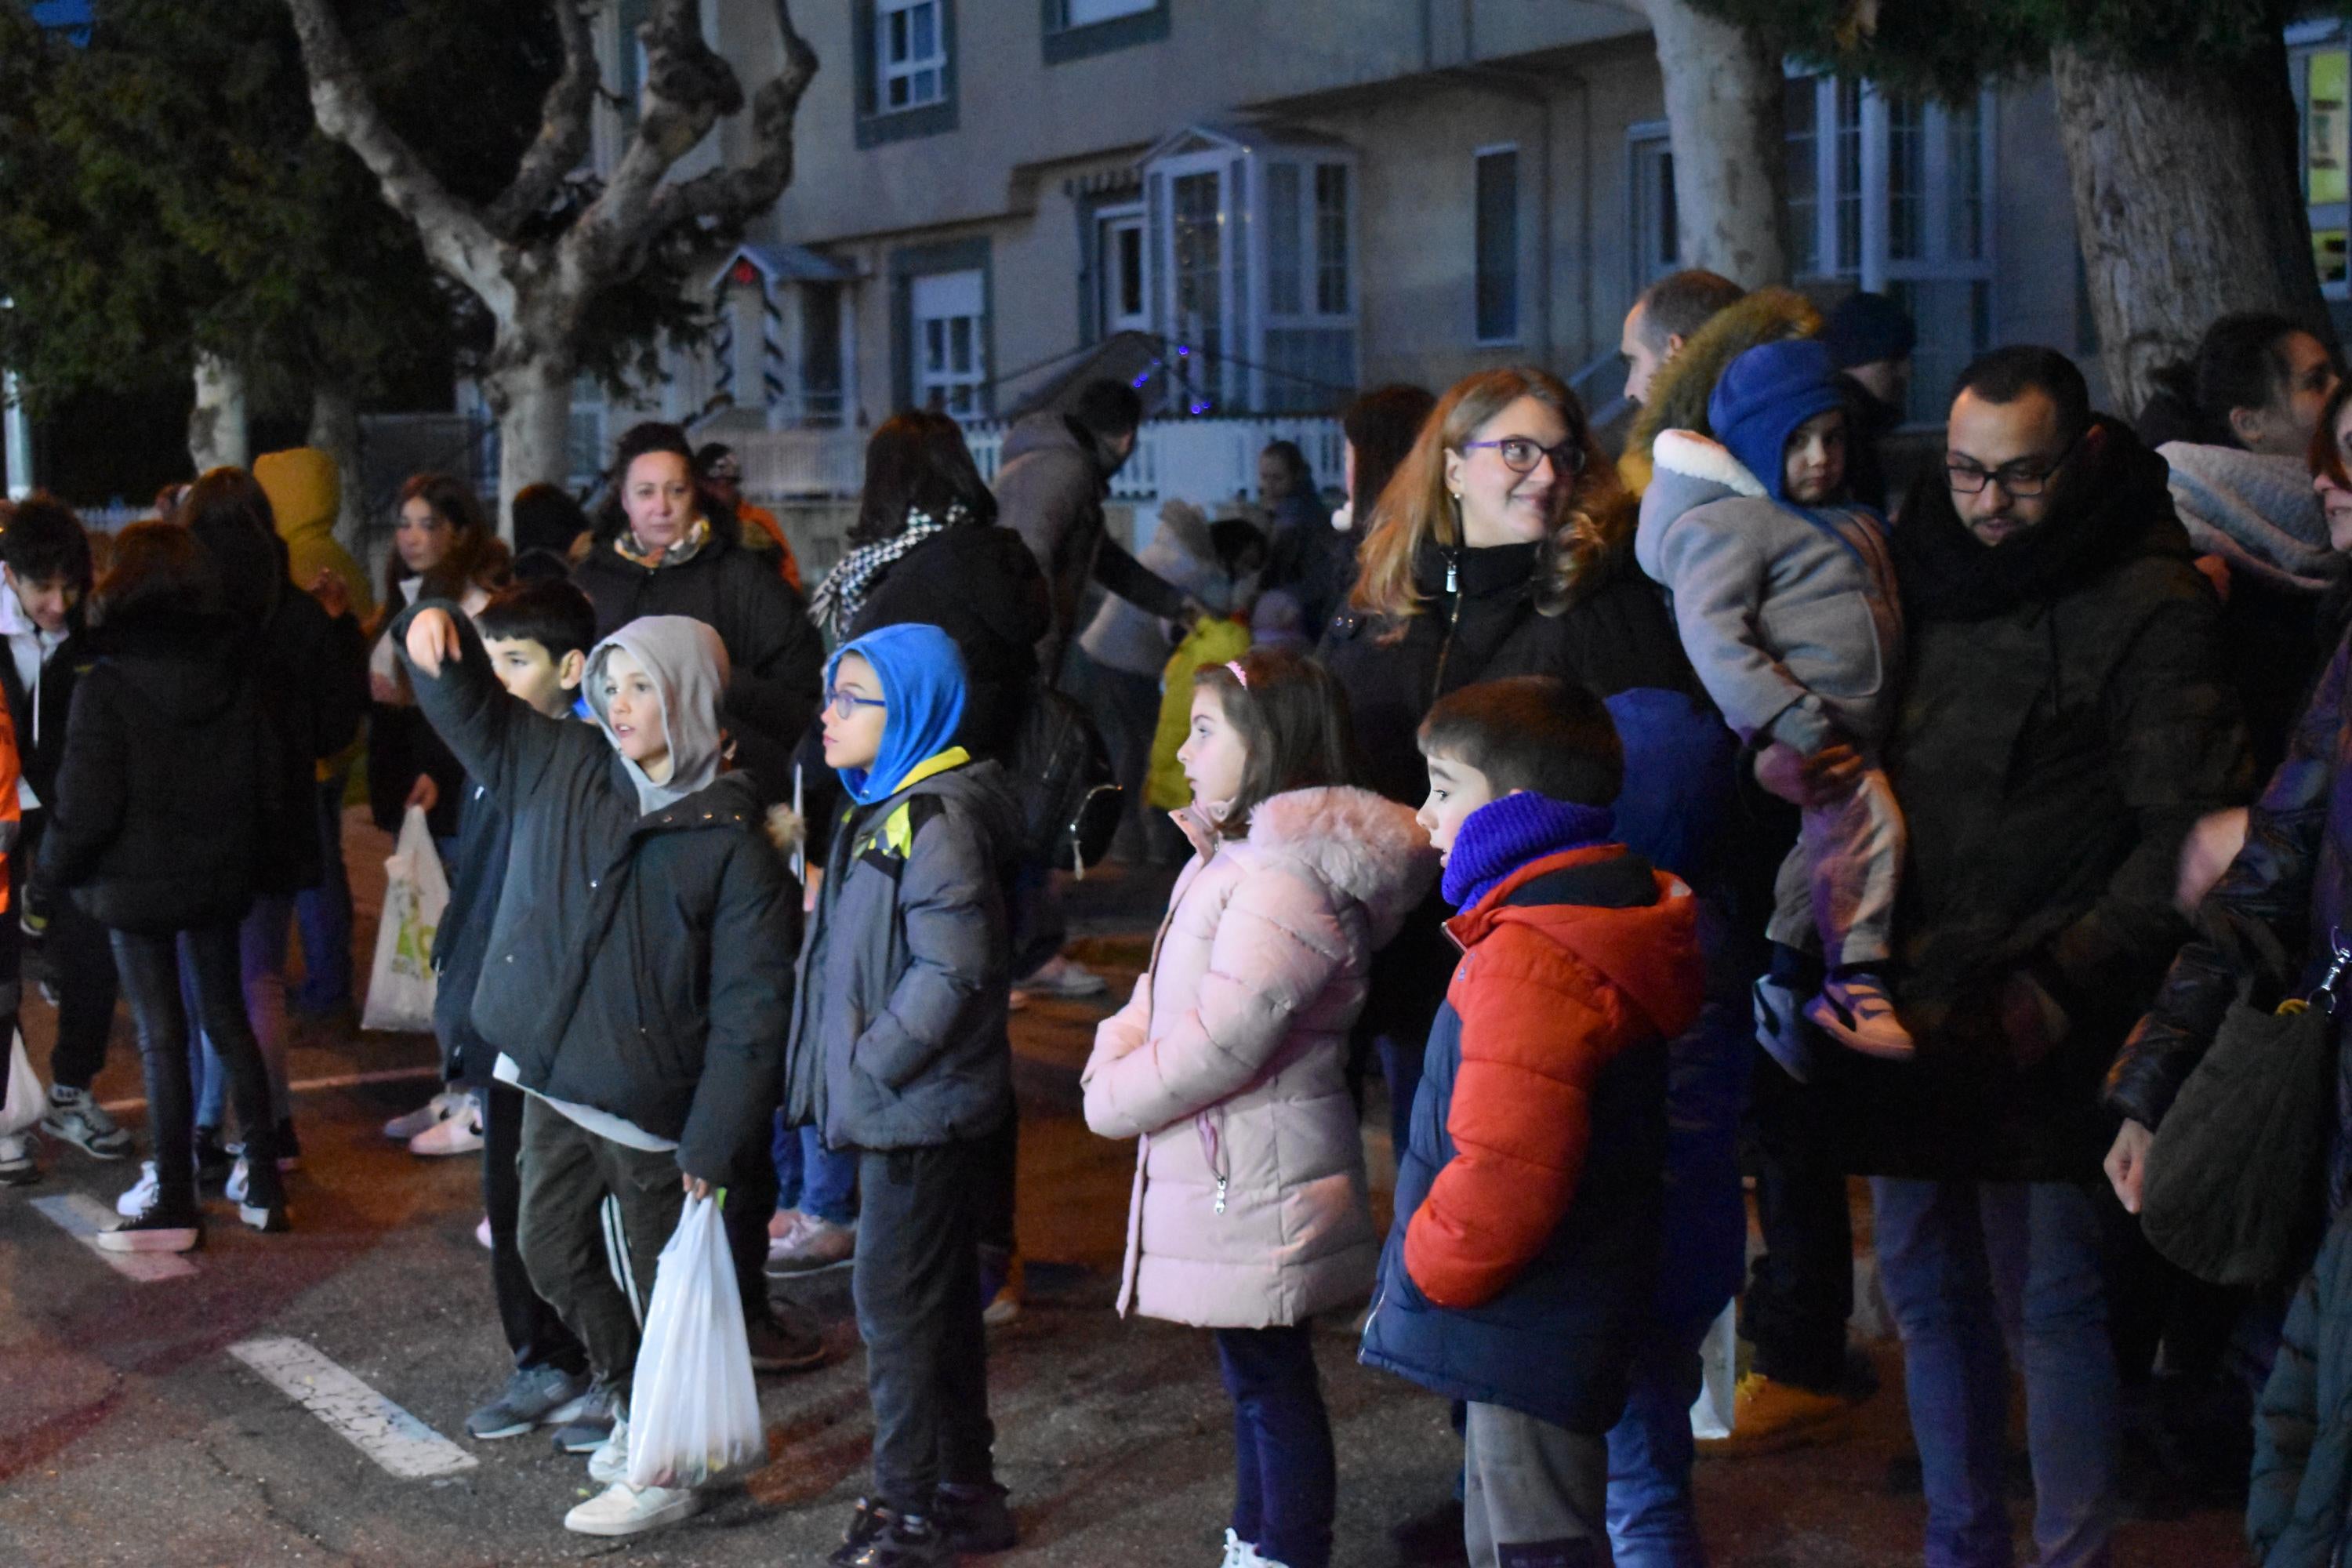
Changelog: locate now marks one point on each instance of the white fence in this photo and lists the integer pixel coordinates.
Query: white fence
(1207, 461)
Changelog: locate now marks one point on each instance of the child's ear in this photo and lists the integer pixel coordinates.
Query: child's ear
(572, 670)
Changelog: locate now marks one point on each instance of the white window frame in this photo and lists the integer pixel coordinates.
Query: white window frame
(1518, 248)
(1648, 256)
(887, 70)
(1109, 223)
(941, 300)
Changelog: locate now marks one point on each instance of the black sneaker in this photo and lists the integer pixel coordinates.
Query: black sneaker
(289, 1147)
(593, 1423)
(877, 1538)
(157, 1228)
(535, 1397)
(974, 1518)
(214, 1160)
(779, 1346)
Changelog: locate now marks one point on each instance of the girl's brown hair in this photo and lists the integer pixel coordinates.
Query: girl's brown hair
(158, 568)
(1293, 721)
(2327, 457)
(1593, 516)
(476, 558)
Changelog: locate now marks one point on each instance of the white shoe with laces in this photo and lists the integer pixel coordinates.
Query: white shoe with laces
(1240, 1553)
(458, 1134)
(1062, 977)
(609, 1465)
(622, 1509)
(131, 1204)
(449, 1102)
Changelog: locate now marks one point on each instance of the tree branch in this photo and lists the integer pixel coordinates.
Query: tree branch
(451, 228)
(739, 194)
(565, 122)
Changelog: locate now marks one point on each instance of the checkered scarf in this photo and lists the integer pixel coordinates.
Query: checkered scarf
(838, 599)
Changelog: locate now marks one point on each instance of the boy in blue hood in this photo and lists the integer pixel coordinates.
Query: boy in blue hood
(898, 1051)
(1786, 605)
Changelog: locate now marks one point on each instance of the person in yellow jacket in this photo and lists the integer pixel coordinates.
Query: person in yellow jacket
(1212, 641)
(306, 493)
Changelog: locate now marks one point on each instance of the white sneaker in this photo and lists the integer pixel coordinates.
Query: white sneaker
(449, 1102)
(1855, 1010)
(134, 1203)
(609, 1465)
(16, 1165)
(1062, 977)
(482, 1234)
(1781, 1028)
(621, 1509)
(458, 1134)
(1240, 1553)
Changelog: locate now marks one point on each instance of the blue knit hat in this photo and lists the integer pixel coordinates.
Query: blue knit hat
(1763, 396)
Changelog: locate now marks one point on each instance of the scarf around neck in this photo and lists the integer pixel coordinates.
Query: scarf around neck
(625, 545)
(1504, 835)
(2256, 511)
(838, 599)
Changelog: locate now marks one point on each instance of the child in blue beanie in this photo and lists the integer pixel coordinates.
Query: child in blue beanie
(1787, 605)
(899, 1052)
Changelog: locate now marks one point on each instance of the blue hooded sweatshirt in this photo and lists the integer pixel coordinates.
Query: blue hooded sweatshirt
(923, 687)
(1762, 397)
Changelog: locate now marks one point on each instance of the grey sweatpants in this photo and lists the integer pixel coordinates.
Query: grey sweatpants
(1835, 892)
(1535, 1495)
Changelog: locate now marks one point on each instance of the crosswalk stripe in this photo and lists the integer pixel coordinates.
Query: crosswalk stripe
(338, 1081)
(82, 1216)
(374, 1425)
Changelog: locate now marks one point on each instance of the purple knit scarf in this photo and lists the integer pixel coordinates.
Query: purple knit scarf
(1504, 835)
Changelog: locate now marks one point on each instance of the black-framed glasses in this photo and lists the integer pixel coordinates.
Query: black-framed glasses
(1521, 454)
(841, 702)
(2024, 479)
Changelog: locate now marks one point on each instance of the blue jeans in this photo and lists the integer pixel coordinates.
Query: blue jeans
(261, 944)
(813, 1178)
(1650, 1521)
(1971, 1269)
(324, 912)
(1285, 1479)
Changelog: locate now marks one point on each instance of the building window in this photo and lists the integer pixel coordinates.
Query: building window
(1122, 272)
(1656, 239)
(1496, 242)
(1888, 192)
(1074, 29)
(949, 315)
(1332, 240)
(2321, 74)
(911, 68)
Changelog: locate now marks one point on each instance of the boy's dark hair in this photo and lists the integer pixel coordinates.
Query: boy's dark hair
(2006, 375)
(1292, 719)
(159, 568)
(1680, 303)
(1109, 408)
(1533, 733)
(552, 613)
(44, 541)
(917, 461)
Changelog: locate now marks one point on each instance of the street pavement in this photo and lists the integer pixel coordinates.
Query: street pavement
(135, 1431)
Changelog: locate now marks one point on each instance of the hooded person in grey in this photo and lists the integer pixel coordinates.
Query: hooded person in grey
(688, 664)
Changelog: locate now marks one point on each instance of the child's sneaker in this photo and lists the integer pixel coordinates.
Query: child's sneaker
(1781, 1028)
(155, 1228)
(449, 1102)
(1240, 1553)
(609, 1465)
(779, 1346)
(1853, 1010)
(16, 1166)
(974, 1518)
(877, 1538)
(134, 1202)
(1062, 979)
(594, 1424)
(458, 1134)
(76, 1116)
(1768, 1415)
(816, 1246)
(623, 1509)
(535, 1397)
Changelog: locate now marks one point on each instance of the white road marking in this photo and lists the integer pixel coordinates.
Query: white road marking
(341, 1080)
(82, 1216)
(374, 1425)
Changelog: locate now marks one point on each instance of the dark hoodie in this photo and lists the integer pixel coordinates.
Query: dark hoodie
(154, 823)
(639, 961)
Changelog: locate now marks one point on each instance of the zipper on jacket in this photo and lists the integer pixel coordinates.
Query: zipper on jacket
(1452, 618)
(1211, 1150)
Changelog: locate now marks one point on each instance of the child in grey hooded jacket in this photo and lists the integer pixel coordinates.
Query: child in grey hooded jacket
(1786, 605)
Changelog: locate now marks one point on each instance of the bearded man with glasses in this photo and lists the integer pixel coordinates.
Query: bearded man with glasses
(2066, 720)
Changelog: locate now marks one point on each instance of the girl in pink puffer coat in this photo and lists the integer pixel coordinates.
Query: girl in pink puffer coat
(1249, 1212)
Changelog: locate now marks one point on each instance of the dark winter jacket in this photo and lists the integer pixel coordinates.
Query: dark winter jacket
(772, 646)
(1521, 1268)
(2301, 1488)
(2268, 919)
(898, 1030)
(310, 669)
(2067, 719)
(154, 824)
(638, 963)
(485, 839)
(1050, 488)
(40, 720)
(1869, 421)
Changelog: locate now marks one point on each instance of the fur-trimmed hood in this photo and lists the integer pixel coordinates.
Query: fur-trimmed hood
(1360, 844)
(1690, 471)
(1679, 393)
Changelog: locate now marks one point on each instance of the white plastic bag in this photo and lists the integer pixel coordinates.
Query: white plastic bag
(27, 1100)
(693, 1414)
(416, 891)
(1718, 1356)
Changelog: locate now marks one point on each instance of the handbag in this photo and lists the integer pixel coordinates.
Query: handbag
(2236, 1191)
(1062, 775)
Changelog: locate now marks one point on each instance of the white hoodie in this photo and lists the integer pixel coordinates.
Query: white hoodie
(32, 648)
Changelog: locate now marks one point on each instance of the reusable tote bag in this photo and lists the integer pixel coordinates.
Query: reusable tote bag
(416, 891)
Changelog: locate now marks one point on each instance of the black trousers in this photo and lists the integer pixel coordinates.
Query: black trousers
(150, 966)
(916, 1283)
(81, 965)
(751, 1189)
(567, 1173)
(1800, 1291)
(534, 1329)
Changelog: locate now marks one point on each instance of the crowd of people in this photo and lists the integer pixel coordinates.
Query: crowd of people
(1722, 803)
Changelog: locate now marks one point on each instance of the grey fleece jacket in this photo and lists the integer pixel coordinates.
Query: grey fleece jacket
(898, 1029)
(1792, 620)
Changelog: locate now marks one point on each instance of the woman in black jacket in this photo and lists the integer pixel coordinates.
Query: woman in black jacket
(664, 547)
(165, 778)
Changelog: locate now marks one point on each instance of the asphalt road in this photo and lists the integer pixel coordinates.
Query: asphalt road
(130, 1434)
